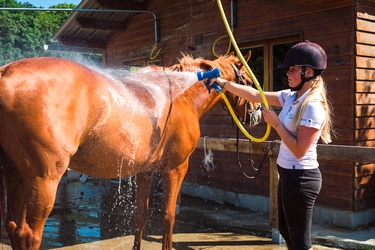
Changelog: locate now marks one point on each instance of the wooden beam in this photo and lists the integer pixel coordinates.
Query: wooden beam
(80, 42)
(274, 182)
(100, 24)
(123, 4)
(228, 144)
(325, 151)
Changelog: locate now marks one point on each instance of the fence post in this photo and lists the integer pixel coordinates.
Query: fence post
(274, 180)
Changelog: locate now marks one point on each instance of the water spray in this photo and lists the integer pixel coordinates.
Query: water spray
(208, 160)
(206, 78)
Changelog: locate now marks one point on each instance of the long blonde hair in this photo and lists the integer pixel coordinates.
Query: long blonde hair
(318, 92)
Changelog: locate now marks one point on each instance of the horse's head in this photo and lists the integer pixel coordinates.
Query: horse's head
(232, 69)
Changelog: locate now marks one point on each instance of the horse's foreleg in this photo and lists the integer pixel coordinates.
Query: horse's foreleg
(142, 197)
(29, 204)
(172, 181)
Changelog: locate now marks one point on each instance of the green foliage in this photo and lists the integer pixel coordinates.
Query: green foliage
(50, 21)
(24, 33)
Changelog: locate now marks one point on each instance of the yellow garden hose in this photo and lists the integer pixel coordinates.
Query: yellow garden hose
(251, 74)
(214, 45)
(152, 52)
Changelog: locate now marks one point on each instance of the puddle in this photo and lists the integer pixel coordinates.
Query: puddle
(88, 212)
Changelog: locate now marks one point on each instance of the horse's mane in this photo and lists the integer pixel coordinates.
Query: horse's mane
(189, 64)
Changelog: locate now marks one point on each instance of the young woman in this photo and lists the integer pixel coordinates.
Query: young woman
(305, 117)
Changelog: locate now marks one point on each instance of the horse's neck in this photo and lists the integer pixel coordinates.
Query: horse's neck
(202, 101)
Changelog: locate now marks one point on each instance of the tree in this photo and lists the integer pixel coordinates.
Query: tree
(50, 21)
(24, 33)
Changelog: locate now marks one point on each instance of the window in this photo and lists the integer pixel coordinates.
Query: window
(265, 57)
(280, 80)
(137, 64)
(133, 65)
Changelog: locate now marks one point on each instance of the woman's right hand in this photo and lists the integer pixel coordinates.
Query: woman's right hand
(219, 81)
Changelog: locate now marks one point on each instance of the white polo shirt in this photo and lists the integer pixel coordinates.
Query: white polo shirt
(314, 117)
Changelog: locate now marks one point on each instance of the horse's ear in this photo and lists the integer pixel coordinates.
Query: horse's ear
(207, 65)
(247, 57)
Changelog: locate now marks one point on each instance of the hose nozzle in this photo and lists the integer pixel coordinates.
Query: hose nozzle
(207, 76)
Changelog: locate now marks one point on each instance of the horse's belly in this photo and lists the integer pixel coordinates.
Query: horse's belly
(106, 164)
(115, 154)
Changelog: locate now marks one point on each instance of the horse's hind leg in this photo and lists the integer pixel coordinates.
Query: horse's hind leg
(142, 197)
(30, 201)
(172, 181)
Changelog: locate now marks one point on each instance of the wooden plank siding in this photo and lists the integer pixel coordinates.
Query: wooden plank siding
(365, 75)
(343, 28)
(364, 174)
(333, 28)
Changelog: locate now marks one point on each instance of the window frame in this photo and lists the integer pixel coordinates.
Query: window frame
(268, 55)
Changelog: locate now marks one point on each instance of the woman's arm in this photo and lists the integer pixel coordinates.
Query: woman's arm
(298, 145)
(247, 92)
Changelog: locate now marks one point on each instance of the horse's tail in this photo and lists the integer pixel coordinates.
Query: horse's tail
(2, 200)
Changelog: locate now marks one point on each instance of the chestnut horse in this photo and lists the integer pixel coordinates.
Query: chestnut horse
(56, 114)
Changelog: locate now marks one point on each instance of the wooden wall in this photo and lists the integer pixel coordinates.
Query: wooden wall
(365, 76)
(364, 174)
(332, 24)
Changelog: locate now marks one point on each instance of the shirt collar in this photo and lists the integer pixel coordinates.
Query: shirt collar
(302, 97)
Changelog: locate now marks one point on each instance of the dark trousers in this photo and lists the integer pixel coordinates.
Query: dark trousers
(297, 192)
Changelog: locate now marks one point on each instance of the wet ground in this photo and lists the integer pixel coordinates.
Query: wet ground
(88, 216)
(87, 212)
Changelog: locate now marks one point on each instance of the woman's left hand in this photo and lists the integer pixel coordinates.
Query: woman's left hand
(270, 116)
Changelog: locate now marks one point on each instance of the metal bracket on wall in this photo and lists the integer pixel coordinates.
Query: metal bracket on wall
(233, 15)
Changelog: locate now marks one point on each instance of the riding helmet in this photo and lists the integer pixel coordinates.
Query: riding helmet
(306, 54)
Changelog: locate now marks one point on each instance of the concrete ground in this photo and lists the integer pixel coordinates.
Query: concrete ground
(203, 224)
(195, 241)
(207, 225)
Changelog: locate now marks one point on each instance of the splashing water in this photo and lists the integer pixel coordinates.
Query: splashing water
(164, 87)
(208, 160)
(119, 175)
(148, 92)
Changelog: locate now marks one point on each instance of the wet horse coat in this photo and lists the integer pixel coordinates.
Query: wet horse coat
(56, 114)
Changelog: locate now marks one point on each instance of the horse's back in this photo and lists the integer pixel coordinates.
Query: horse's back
(47, 107)
(58, 109)
(100, 125)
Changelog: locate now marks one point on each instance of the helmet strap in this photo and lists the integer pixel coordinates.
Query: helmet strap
(303, 79)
